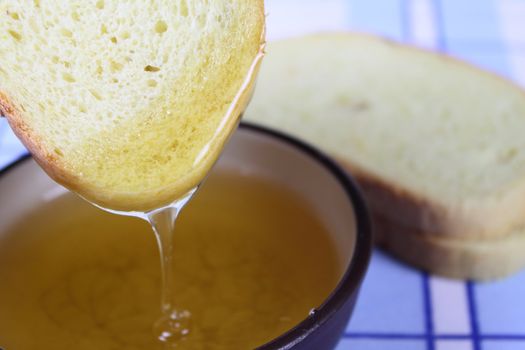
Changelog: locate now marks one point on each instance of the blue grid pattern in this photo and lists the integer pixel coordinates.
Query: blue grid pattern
(401, 308)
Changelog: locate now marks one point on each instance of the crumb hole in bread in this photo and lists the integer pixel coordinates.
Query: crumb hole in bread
(75, 16)
(161, 27)
(115, 66)
(114, 80)
(66, 32)
(201, 21)
(113, 40)
(184, 9)
(13, 15)
(100, 4)
(103, 29)
(152, 83)
(36, 3)
(58, 152)
(125, 35)
(96, 94)
(17, 36)
(68, 77)
(149, 68)
(82, 108)
(100, 70)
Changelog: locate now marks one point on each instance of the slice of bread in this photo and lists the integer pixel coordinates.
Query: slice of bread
(437, 144)
(483, 259)
(127, 103)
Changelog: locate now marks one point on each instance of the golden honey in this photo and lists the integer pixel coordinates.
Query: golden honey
(251, 259)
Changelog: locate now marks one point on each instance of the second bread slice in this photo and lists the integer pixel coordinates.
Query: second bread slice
(437, 144)
(482, 259)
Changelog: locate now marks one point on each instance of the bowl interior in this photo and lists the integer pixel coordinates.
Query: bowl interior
(251, 151)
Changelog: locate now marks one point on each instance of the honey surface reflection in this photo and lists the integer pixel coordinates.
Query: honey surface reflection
(251, 260)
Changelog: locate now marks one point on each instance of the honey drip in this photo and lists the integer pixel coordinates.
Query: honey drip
(175, 323)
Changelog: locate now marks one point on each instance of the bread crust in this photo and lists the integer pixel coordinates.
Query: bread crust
(481, 260)
(467, 221)
(50, 162)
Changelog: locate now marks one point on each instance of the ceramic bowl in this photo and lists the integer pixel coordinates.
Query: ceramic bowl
(318, 180)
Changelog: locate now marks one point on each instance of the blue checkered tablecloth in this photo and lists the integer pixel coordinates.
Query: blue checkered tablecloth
(401, 308)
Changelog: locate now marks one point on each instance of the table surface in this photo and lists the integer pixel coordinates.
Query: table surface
(401, 308)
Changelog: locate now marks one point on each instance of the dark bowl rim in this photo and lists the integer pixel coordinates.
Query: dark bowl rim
(355, 271)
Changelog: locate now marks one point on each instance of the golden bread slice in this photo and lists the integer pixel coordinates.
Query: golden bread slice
(436, 143)
(127, 103)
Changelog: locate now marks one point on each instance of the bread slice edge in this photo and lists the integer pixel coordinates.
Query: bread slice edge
(481, 260)
(466, 221)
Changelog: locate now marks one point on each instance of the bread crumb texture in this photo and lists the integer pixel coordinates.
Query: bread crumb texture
(126, 96)
(430, 124)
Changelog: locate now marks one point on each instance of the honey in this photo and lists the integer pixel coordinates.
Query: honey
(250, 261)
